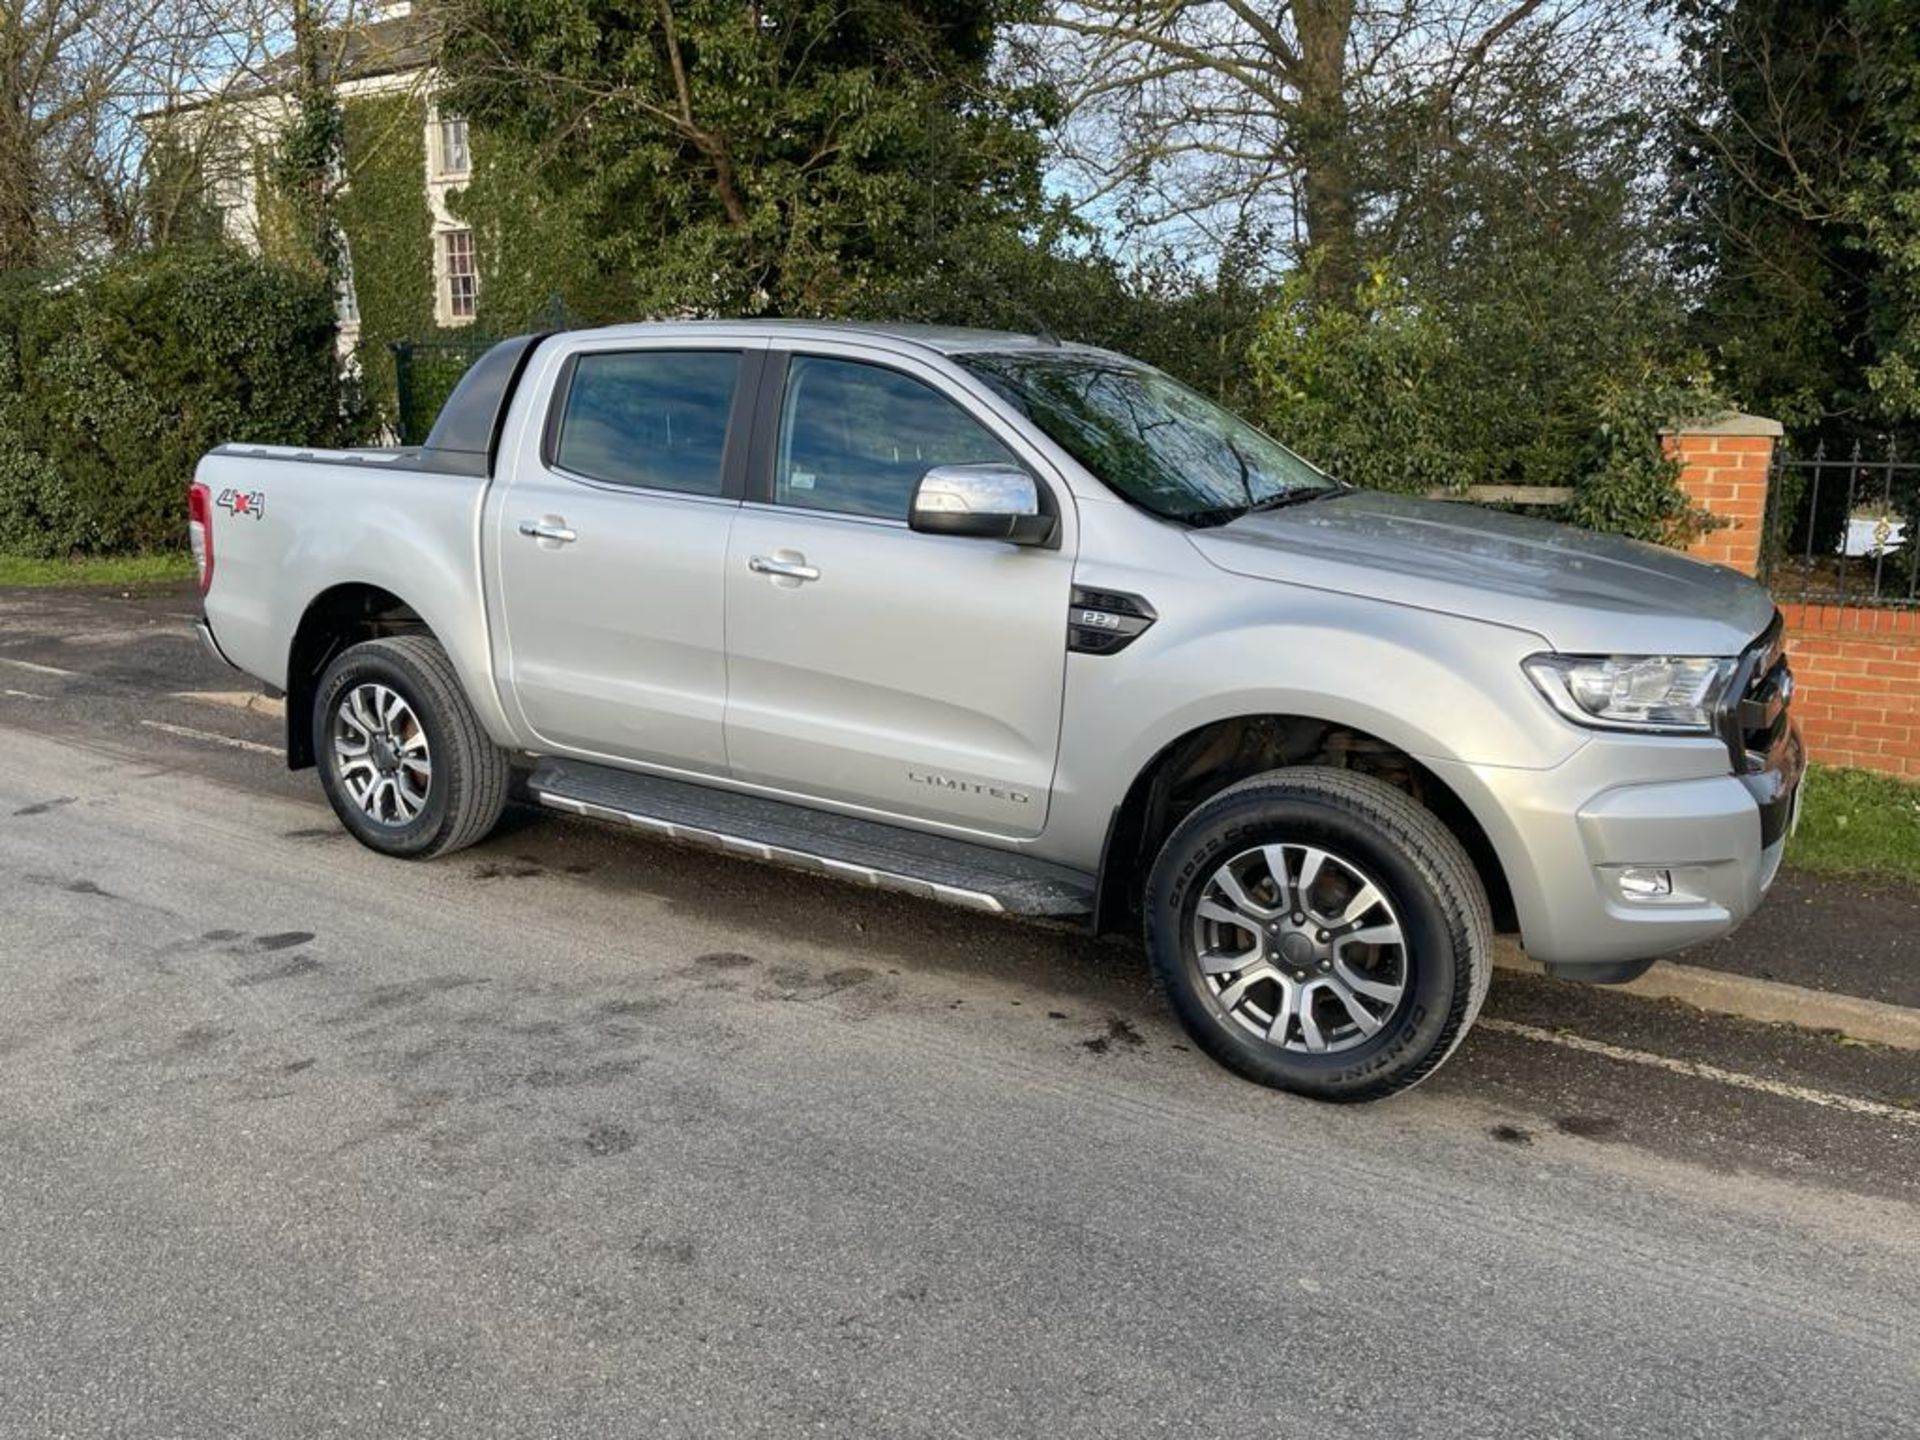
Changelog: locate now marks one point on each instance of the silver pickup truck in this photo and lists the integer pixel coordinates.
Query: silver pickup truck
(1028, 627)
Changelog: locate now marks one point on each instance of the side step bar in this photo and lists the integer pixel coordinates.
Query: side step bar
(864, 851)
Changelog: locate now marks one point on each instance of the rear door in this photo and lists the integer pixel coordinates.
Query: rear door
(610, 542)
(915, 675)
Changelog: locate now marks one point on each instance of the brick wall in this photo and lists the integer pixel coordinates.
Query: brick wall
(1856, 668)
(1857, 685)
(1723, 468)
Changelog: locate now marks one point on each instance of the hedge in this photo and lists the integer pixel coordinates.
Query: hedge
(389, 233)
(115, 381)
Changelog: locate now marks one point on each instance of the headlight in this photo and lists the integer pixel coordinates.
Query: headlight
(1676, 694)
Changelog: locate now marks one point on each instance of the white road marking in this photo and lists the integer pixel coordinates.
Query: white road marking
(1699, 1071)
(39, 669)
(187, 733)
(25, 695)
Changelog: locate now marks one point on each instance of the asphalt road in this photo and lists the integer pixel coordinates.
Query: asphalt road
(578, 1134)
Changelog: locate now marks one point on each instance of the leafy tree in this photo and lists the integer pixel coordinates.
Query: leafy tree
(386, 233)
(1883, 196)
(1475, 285)
(1799, 155)
(719, 157)
(1522, 331)
(308, 167)
(175, 198)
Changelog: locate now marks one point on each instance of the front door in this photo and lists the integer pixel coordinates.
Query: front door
(913, 675)
(610, 541)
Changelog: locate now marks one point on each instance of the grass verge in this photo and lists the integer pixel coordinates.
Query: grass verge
(96, 570)
(1855, 820)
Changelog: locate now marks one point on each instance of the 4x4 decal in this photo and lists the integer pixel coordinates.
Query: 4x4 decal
(243, 502)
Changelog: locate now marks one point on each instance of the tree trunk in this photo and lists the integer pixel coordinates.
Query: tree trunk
(19, 178)
(706, 141)
(1323, 142)
(19, 238)
(308, 172)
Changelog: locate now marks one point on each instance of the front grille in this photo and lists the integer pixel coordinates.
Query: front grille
(1754, 717)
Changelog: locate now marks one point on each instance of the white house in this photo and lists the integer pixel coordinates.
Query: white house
(389, 53)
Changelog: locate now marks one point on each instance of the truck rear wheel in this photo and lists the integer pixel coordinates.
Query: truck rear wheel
(1319, 931)
(403, 759)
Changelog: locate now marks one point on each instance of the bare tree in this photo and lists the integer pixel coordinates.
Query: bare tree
(91, 89)
(1287, 114)
(73, 74)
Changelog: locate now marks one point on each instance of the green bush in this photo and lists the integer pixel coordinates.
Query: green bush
(114, 382)
(1364, 393)
(1413, 390)
(388, 228)
(1059, 278)
(425, 376)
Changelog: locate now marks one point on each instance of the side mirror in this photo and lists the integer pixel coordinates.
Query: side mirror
(989, 502)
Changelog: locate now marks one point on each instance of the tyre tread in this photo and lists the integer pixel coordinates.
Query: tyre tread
(480, 773)
(1435, 850)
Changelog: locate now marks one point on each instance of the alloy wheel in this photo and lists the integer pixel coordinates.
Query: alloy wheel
(381, 754)
(1297, 945)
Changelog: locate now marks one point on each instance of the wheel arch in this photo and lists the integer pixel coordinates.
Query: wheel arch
(338, 617)
(1209, 757)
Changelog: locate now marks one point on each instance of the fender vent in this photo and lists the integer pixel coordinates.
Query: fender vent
(1102, 622)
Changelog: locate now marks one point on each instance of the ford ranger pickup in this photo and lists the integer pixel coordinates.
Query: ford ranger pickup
(1028, 627)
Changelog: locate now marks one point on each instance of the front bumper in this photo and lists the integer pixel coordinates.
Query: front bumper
(1568, 839)
(1606, 876)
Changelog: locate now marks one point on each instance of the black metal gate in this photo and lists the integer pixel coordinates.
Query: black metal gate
(425, 371)
(424, 374)
(1843, 531)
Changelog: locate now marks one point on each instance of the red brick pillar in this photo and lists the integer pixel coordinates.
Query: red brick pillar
(1724, 467)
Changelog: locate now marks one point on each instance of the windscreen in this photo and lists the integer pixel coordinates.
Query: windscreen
(1153, 441)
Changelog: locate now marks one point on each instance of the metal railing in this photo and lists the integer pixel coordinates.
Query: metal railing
(1843, 530)
(424, 374)
(425, 371)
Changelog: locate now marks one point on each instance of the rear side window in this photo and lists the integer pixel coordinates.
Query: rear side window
(857, 438)
(653, 418)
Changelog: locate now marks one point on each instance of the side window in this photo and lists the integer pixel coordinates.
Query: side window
(653, 418)
(857, 438)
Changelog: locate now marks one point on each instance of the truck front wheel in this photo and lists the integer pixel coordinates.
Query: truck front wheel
(403, 758)
(1319, 931)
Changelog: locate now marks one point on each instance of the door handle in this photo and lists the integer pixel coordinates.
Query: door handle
(551, 529)
(788, 569)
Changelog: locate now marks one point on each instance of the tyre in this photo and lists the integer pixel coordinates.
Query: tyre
(1318, 931)
(402, 757)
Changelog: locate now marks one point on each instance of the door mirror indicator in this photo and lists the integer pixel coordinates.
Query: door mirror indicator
(988, 502)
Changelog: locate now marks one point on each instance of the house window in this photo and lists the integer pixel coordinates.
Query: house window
(454, 158)
(463, 282)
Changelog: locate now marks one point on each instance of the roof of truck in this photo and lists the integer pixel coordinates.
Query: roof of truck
(947, 339)
(469, 422)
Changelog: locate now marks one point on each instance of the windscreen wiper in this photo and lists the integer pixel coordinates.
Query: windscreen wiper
(1208, 519)
(1295, 495)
